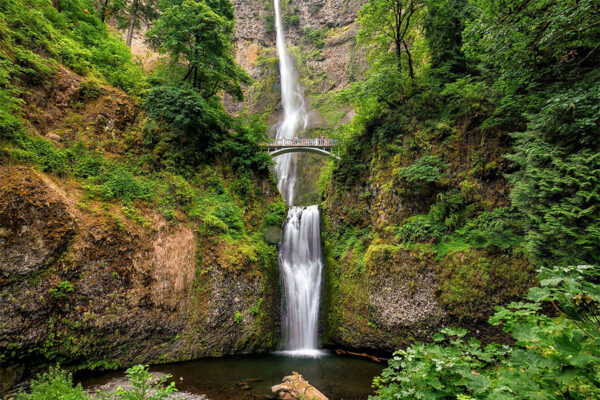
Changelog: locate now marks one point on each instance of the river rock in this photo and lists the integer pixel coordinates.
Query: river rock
(295, 387)
(113, 385)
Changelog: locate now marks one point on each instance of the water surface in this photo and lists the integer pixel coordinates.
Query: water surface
(221, 378)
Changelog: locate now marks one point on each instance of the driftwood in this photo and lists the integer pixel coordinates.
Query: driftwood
(295, 387)
(364, 355)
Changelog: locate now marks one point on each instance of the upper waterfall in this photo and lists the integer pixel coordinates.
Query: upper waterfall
(295, 116)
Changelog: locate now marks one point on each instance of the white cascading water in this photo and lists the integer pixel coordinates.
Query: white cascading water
(301, 262)
(300, 258)
(294, 112)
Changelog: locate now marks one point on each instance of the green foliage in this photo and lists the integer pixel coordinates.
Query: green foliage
(198, 36)
(120, 183)
(551, 358)
(62, 290)
(291, 20)
(556, 185)
(444, 23)
(243, 145)
(238, 317)
(34, 30)
(270, 23)
(276, 214)
(255, 309)
(497, 230)
(445, 216)
(390, 23)
(419, 228)
(56, 384)
(189, 130)
(313, 36)
(188, 124)
(145, 386)
(427, 169)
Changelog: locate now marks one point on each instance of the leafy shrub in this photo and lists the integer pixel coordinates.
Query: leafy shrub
(52, 385)
(314, 36)
(427, 169)
(62, 290)
(238, 317)
(291, 19)
(35, 30)
(243, 145)
(555, 186)
(418, 228)
(41, 152)
(145, 386)
(191, 125)
(120, 183)
(228, 212)
(276, 214)
(255, 309)
(270, 23)
(552, 357)
(498, 230)
(91, 89)
(213, 225)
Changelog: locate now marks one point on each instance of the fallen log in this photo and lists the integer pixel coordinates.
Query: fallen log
(295, 387)
(364, 355)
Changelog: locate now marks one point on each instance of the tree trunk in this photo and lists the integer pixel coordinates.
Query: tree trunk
(104, 10)
(399, 55)
(132, 23)
(411, 72)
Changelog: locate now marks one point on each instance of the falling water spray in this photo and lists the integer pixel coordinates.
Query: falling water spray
(300, 258)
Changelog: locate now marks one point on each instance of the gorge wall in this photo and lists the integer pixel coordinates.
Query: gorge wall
(92, 283)
(321, 36)
(408, 254)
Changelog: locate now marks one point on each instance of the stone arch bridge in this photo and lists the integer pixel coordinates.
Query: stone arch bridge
(322, 146)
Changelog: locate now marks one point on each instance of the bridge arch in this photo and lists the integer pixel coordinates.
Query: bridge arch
(304, 149)
(321, 146)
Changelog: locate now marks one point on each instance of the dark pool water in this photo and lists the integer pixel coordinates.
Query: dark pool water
(339, 378)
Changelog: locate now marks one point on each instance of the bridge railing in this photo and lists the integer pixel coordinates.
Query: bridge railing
(316, 142)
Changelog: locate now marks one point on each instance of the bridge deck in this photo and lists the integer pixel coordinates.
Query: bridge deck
(318, 142)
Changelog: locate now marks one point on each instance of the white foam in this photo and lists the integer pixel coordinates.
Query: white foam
(303, 353)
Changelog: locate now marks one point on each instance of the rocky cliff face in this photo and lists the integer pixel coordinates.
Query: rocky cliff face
(321, 33)
(87, 285)
(85, 288)
(385, 288)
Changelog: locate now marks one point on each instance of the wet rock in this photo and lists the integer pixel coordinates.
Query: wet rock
(9, 376)
(35, 224)
(54, 137)
(132, 293)
(295, 387)
(114, 385)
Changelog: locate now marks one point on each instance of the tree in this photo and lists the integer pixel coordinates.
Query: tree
(443, 24)
(110, 8)
(198, 36)
(389, 23)
(144, 10)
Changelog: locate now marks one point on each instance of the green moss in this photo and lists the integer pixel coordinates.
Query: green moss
(471, 283)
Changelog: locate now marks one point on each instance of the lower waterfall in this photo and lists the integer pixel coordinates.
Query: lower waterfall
(301, 264)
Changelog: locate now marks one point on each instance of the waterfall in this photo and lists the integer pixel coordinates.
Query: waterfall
(301, 262)
(295, 116)
(300, 258)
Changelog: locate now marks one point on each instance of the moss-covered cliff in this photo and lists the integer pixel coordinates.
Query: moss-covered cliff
(107, 258)
(418, 232)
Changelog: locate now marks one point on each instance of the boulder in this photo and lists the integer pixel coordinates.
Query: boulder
(295, 387)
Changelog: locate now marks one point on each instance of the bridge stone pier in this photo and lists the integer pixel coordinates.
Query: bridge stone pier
(322, 146)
